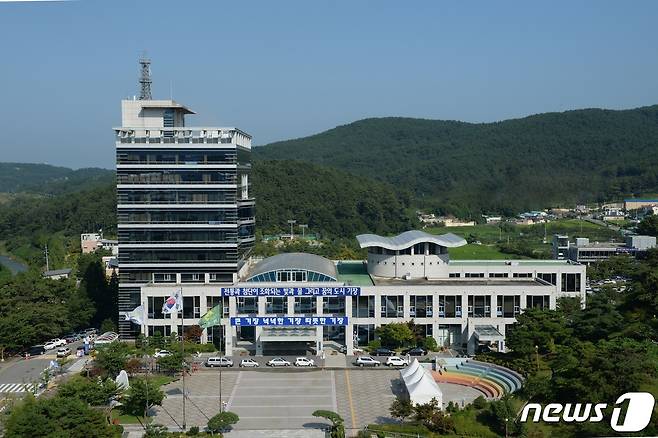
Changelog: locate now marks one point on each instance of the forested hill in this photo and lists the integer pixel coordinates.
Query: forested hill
(46, 179)
(508, 166)
(330, 201)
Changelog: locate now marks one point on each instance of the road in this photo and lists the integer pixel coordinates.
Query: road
(16, 374)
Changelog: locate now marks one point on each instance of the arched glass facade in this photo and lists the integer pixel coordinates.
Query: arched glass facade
(289, 275)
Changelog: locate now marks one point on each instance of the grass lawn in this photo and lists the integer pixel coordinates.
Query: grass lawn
(479, 252)
(125, 419)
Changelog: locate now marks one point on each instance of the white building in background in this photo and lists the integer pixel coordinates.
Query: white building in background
(290, 303)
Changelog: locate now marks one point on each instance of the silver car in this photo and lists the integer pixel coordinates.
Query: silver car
(249, 363)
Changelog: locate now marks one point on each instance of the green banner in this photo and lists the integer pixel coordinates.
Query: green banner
(212, 317)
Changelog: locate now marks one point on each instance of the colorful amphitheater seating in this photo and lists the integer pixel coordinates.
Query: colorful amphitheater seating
(493, 381)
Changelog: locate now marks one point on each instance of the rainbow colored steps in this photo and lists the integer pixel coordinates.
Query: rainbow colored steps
(493, 381)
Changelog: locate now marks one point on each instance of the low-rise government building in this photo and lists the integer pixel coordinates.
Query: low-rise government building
(290, 303)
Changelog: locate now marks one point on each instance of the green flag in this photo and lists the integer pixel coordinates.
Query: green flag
(212, 317)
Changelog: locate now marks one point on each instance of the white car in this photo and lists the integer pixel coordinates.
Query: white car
(367, 361)
(162, 353)
(396, 361)
(59, 342)
(278, 362)
(304, 362)
(63, 351)
(249, 363)
(50, 345)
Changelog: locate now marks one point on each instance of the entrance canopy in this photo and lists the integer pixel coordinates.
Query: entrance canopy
(488, 333)
(287, 334)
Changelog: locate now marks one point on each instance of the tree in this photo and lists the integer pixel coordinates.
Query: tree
(395, 335)
(193, 333)
(337, 422)
(423, 412)
(57, 417)
(95, 393)
(172, 363)
(141, 393)
(502, 411)
(112, 358)
(222, 422)
(156, 431)
(648, 226)
(537, 328)
(108, 326)
(401, 408)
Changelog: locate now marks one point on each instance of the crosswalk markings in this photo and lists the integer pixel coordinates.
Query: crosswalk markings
(16, 387)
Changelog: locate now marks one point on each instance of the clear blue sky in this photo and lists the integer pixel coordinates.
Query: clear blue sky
(285, 69)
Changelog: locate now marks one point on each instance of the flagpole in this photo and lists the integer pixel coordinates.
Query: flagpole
(148, 365)
(183, 349)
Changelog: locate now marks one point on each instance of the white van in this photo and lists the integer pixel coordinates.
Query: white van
(218, 362)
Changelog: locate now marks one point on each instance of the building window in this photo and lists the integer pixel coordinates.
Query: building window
(363, 334)
(333, 305)
(508, 306)
(420, 306)
(479, 306)
(454, 275)
(392, 306)
(215, 300)
(247, 305)
(538, 302)
(498, 275)
(549, 278)
(154, 309)
(305, 305)
(474, 275)
(570, 283)
(522, 275)
(161, 330)
(164, 278)
(450, 306)
(363, 307)
(191, 307)
(193, 278)
(276, 305)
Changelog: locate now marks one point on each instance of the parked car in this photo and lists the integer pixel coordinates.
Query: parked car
(63, 351)
(249, 363)
(278, 362)
(304, 362)
(162, 353)
(367, 361)
(36, 350)
(81, 348)
(396, 361)
(212, 362)
(384, 352)
(72, 337)
(59, 342)
(416, 351)
(51, 345)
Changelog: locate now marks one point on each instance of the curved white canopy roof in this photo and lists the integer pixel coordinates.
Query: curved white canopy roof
(408, 239)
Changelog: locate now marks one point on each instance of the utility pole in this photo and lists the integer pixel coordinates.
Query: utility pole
(303, 227)
(47, 262)
(291, 222)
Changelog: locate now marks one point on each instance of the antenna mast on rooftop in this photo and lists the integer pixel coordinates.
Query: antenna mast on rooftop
(145, 78)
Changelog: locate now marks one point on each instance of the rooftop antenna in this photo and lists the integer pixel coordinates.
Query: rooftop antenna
(145, 78)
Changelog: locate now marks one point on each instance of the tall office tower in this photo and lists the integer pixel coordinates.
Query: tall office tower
(185, 215)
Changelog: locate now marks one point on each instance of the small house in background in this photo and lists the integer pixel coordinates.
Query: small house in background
(91, 242)
(57, 274)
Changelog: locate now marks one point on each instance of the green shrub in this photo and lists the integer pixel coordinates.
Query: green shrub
(373, 345)
(480, 403)
(194, 430)
(222, 421)
(429, 343)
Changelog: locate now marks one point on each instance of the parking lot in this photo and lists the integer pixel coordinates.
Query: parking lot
(282, 399)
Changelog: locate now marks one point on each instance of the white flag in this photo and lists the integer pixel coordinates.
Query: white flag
(173, 304)
(136, 316)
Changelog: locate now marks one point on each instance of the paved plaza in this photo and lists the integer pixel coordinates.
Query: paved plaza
(281, 399)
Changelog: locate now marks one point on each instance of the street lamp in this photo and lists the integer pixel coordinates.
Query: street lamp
(291, 222)
(506, 420)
